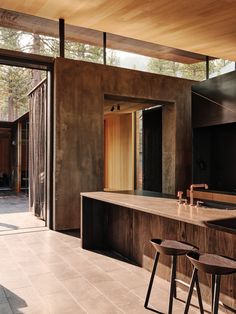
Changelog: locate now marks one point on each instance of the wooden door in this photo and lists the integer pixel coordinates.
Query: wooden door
(119, 152)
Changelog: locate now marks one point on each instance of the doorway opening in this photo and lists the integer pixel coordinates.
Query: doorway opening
(152, 149)
(24, 130)
(133, 144)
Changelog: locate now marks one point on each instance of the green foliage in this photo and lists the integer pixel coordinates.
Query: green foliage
(74, 50)
(9, 39)
(112, 58)
(195, 71)
(15, 82)
(163, 67)
(14, 86)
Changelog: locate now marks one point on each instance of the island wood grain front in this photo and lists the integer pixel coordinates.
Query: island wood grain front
(125, 223)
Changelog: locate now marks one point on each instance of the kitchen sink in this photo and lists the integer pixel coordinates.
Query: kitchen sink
(227, 224)
(218, 205)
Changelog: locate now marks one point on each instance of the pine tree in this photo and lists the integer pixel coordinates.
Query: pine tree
(195, 71)
(75, 50)
(112, 58)
(165, 67)
(14, 81)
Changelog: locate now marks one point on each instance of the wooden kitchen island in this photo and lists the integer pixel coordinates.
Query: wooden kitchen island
(125, 224)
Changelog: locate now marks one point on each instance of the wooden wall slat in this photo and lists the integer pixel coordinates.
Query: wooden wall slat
(119, 153)
(37, 150)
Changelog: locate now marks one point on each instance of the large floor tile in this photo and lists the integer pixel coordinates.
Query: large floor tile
(46, 284)
(62, 303)
(63, 271)
(46, 272)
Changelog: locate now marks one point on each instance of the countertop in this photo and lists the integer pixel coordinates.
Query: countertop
(164, 207)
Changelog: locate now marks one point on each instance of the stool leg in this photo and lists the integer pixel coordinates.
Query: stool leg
(172, 284)
(151, 279)
(174, 265)
(190, 292)
(216, 295)
(213, 278)
(199, 296)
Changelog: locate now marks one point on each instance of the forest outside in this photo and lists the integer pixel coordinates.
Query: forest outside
(15, 82)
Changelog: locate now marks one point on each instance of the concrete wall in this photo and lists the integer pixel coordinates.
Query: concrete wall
(79, 159)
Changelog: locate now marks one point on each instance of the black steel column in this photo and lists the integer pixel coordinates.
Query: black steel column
(207, 67)
(62, 37)
(105, 48)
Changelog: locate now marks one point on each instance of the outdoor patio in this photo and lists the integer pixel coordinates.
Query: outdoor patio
(15, 214)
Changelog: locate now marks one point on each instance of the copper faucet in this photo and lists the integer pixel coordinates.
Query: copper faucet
(181, 200)
(179, 195)
(192, 186)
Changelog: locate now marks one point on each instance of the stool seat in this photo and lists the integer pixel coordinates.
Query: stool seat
(216, 265)
(172, 247)
(212, 264)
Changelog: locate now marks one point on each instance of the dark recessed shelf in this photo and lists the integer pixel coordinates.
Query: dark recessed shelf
(228, 224)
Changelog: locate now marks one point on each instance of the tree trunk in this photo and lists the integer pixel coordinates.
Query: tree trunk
(36, 74)
(10, 107)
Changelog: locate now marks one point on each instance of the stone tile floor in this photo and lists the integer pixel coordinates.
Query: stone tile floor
(14, 213)
(43, 271)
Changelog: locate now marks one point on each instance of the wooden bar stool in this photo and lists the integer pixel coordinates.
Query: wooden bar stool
(215, 265)
(173, 249)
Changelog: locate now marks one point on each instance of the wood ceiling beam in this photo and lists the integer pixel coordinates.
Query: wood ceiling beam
(22, 59)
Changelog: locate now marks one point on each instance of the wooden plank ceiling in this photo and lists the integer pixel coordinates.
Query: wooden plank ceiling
(39, 25)
(205, 26)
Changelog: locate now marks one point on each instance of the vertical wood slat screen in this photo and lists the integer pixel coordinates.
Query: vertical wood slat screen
(37, 150)
(119, 152)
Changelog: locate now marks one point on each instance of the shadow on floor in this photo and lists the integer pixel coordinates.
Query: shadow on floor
(73, 233)
(107, 253)
(10, 302)
(6, 227)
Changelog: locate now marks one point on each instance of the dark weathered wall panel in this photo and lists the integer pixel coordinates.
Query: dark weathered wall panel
(79, 138)
(207, 113)
(79, 96)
